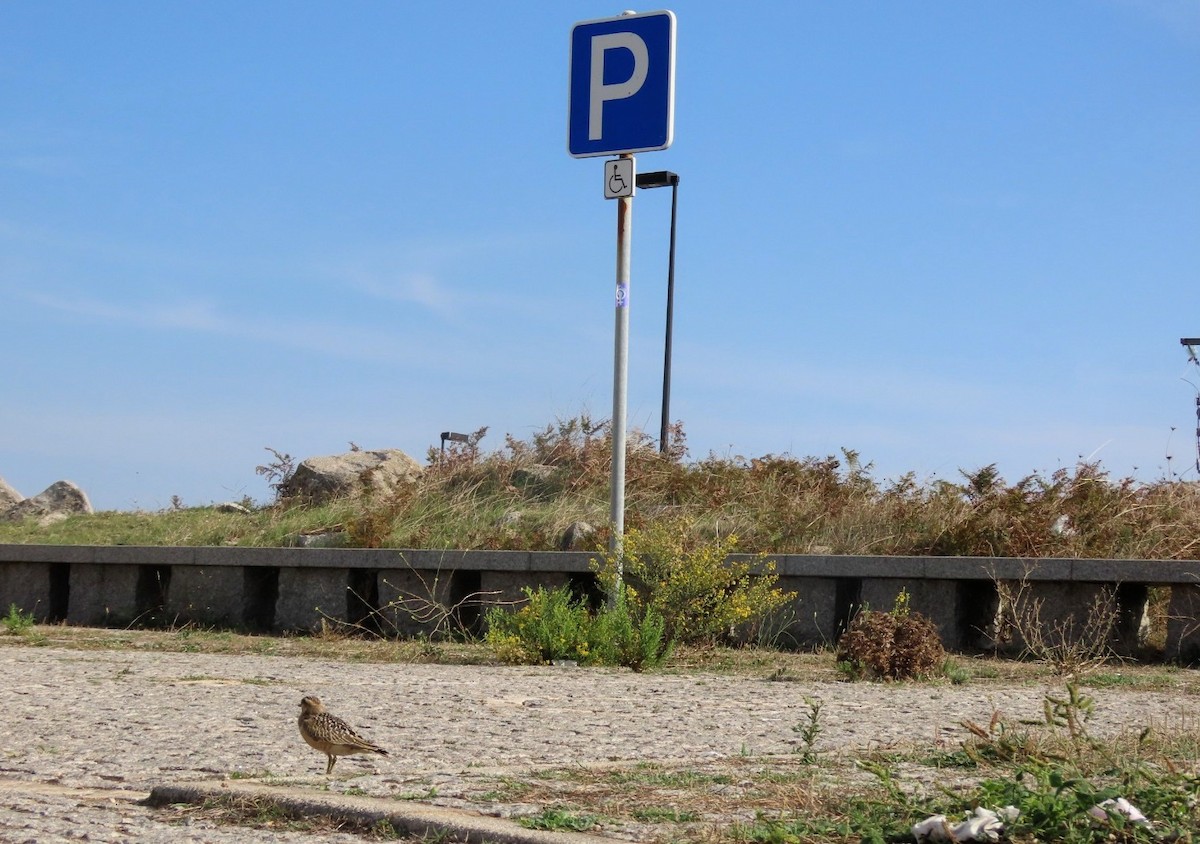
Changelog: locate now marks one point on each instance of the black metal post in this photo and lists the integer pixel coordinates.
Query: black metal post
(666, 395)
(662, 179)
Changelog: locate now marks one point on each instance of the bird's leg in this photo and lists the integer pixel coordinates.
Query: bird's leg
(329, 767)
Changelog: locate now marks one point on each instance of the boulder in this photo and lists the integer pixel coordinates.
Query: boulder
(316, 539)
(56, 501)
(576, 536)
(52, 518)
(320, 479)
(8, 496)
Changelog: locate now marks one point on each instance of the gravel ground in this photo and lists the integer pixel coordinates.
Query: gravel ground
(87, 733)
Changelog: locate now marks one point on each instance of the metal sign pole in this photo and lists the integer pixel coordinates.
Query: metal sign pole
(620, 380)
(620, 101)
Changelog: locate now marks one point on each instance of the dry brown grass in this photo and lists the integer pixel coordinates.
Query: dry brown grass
(524, 494)
(256, 812)
(768, 664)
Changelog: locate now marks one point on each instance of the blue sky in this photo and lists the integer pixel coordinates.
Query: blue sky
(941, 234)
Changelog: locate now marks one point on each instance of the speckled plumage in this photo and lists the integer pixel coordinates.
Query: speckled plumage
(329, 734)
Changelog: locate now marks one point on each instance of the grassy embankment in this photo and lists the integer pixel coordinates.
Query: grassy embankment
(525, 494)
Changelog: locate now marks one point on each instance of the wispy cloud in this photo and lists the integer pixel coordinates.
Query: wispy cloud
(872, 149)
(193, 316)
(40, 165)
(33, 147)
(197, 316)
(425, 272)
(416, 288)
(45, 243)
(1180, 17)
(894, 388)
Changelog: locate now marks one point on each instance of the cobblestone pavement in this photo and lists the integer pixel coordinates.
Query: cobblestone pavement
(87, 733)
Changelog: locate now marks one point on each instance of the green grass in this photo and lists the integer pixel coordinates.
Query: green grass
(195, 526)
(560, 820)
(17, 622)
(657, 776)
(663, 814)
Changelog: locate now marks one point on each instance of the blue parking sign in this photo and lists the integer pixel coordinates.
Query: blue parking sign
(622, 85)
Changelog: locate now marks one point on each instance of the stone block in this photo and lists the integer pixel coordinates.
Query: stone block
(937, 600)
(437, 560)
(208, 595)
(1183, 624)
(103, 594)
(307, 596)
(1060, 617)
(811, 619)
(416, 602)
(575, 562)
(508, 587)
(28, 586)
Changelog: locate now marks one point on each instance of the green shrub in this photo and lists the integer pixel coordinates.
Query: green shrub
(17, 621)
(701, 595)
(617, 637)
(552, 625)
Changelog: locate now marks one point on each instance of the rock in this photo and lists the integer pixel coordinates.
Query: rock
(323, 539)
(320, 479)
(61, 497)
(8, 496)
(231, 507)
(576, 534)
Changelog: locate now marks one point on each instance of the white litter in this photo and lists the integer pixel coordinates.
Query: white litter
(982, 825)
(1120, 806)
(932, 828)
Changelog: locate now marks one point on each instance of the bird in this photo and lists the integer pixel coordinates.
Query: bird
(329, 734)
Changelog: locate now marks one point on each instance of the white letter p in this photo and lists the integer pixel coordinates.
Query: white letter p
(601, 93)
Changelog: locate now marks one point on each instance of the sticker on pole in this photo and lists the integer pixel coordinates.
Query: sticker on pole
(623, 294)
(621, 97)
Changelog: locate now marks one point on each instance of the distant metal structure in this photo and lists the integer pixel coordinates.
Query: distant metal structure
(1190, 343)
(453, 437)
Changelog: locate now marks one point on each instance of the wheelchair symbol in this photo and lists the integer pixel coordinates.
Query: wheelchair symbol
(616, 180)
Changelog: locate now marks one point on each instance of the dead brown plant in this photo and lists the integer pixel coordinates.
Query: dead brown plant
(896, 645)
(1072, 644)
